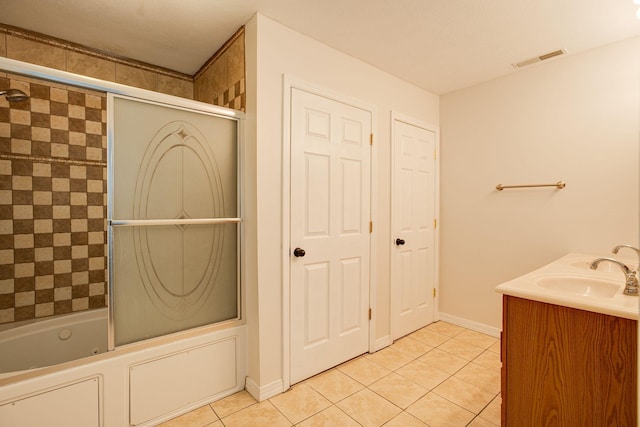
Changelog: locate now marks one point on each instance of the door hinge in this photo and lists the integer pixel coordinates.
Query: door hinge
(434, 292)
(370, 226)
(435, 223)
(369, 314)
(435, 154)
(370, 139)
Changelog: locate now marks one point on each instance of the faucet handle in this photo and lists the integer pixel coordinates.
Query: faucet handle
(617, 248)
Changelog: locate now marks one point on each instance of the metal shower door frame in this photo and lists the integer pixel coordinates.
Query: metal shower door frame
(111, 223)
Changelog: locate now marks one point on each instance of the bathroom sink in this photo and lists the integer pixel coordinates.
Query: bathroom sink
(570, 282)
(582, 286)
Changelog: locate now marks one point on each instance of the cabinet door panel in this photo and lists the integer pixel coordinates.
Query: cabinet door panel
(567, 367)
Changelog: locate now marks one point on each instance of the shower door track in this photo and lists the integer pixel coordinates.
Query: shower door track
(186, 221)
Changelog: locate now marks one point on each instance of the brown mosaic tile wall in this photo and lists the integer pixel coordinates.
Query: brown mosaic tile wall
(221, 81)
(52, 201)
(234, 97)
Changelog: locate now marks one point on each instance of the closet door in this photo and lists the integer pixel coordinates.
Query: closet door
(330, 240)
(413, 252)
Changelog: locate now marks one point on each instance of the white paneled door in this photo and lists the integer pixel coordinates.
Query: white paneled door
(413, 229)
(330, 240)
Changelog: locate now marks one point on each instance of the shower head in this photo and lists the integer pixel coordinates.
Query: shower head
(14, 95)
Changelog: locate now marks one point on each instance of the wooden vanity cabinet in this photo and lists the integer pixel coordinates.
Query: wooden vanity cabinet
(567, 367)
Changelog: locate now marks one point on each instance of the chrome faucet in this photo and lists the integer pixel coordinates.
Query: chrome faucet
(617, 248)
(631, 282)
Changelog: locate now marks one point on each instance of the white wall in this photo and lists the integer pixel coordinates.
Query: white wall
(574, 119)
(274, 50)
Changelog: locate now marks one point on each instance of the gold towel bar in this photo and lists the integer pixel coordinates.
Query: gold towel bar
(559, 185)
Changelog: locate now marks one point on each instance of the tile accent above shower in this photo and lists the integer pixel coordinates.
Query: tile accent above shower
(221, 80)
(52, 201)
(41, 49)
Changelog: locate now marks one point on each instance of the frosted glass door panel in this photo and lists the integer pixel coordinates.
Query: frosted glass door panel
(173, 219)
(172, 163)
(172, 278)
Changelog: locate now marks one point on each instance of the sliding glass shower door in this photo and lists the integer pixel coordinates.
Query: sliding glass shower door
(173, 219)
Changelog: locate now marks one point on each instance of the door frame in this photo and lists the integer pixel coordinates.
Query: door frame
(290, 83)
(396, 116)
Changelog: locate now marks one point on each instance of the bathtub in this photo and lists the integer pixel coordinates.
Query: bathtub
(50, 341)
(163, 377)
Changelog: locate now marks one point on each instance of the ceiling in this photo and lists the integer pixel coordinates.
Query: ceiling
(438, 45)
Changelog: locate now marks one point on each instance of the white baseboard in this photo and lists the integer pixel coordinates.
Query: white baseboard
(383, 342)
(469, 324)
(264, 392)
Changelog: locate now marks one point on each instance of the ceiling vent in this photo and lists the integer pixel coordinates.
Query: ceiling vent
(540, 58)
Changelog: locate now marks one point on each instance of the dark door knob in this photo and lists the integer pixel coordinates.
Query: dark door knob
(298, 252)
(399, 242)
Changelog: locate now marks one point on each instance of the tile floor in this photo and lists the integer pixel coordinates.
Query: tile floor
(441, 375)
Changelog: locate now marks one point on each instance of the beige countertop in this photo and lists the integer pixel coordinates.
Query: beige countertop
(570, 282)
